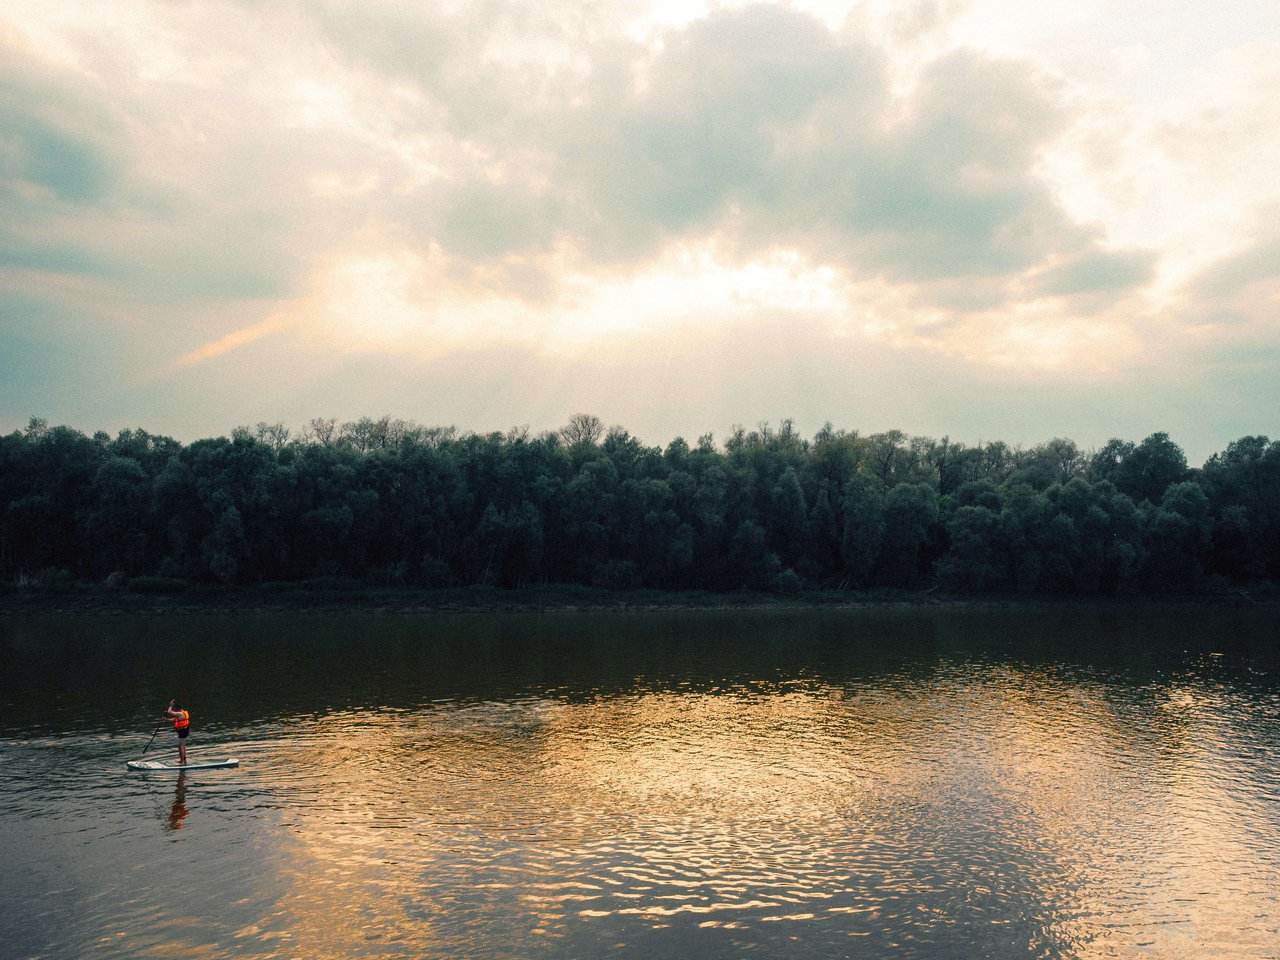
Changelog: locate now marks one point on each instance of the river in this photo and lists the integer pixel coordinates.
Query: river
(949, 782)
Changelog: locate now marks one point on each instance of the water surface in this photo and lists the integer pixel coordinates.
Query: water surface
(869, 783)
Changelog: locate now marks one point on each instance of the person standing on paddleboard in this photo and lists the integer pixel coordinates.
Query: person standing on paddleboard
(182, 724)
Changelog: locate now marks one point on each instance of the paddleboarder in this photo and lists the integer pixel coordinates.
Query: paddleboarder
(182, 724)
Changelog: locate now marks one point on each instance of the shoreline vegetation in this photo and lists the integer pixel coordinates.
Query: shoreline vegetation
(155, 596)
(388, 513)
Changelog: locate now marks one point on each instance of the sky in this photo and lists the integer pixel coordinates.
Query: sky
(981, 219)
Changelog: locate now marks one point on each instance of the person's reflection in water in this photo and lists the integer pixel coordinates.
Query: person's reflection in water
(178, 812)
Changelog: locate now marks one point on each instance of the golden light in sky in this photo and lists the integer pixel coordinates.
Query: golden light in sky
(960, 199)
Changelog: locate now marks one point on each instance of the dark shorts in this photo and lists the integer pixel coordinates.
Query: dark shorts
(182, 732)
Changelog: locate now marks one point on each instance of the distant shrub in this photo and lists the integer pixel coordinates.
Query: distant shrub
(157, 585)
(788, 583)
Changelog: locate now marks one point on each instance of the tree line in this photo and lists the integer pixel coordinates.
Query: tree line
(390, 502)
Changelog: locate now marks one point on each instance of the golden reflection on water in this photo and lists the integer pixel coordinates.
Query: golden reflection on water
(804, 787)
(1039, 813)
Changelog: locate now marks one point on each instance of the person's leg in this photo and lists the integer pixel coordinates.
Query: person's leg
(182, 748)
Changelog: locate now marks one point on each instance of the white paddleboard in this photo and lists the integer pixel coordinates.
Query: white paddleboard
(179, 767)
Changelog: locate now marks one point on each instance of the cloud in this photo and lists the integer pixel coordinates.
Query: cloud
(42, 155)
(253, 184)
(696, 138)
(1246, 273)
(233, 340)
(57, 160)
(1098, 271)
(949, 191)
(761, 124)
(512, 134)
(174, 181)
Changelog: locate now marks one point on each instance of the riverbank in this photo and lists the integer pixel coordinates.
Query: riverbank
(175, 597)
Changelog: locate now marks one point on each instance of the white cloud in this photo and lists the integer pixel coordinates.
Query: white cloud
(1074, 191)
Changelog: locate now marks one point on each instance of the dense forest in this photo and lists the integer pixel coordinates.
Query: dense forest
(387, 502)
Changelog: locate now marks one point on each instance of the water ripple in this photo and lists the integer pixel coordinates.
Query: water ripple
(972, 807)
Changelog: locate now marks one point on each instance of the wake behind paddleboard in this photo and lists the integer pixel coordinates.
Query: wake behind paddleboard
(179, 767)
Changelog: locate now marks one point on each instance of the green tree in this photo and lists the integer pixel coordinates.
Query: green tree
(120, 517)
(1243, 485)
(954, 465)
(973, 562)
(1106, 535)
(788, 518)
(833, 459)
(1057, 461)
(1178, 538)
(977, 493)
(390, 501)
(51, 497)
(884, 455)
(224, 549)
(751, 564)
(824, 536)
(864, 526)
(1105, 464)
(1154, 465)
(1024, 523)
(513, 542)
(910, 510)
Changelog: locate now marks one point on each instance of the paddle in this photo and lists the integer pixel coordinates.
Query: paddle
(153, 737)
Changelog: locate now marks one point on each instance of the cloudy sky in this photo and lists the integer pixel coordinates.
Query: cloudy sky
(988, 219)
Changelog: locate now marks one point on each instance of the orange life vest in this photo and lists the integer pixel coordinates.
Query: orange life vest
(181, 722)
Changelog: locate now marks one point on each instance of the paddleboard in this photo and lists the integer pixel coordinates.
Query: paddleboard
(178, 767)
